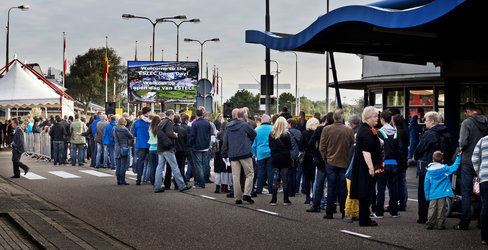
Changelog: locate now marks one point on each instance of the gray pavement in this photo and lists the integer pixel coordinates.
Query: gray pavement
(88, 211)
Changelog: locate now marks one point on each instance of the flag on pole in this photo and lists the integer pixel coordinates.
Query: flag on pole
(217, 81)
(64, 58)
(105, 72)
(64, 55)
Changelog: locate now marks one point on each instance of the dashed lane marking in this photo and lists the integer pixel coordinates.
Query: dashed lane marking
(356, 234)
(207, 197)
(32, 176)
(64, 174)
(96, 173)
(267, 212)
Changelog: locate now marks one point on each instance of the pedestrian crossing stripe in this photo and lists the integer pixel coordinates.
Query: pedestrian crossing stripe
(32, 176)
(96, 173)
(64, 174)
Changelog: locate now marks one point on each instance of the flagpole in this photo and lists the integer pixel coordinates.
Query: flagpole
(106, 71)
(64, 58)
(135, 55)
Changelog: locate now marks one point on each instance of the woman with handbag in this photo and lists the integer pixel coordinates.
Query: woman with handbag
(480, 164)
(121, 150)
(280, 145)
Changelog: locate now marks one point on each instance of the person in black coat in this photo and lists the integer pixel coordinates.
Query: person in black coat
(366, 158)
(402, 160)
(281, 161)
(18, 149)
(58, 134)
(308, 167)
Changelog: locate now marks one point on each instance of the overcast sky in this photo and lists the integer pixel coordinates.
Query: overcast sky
(36, 35)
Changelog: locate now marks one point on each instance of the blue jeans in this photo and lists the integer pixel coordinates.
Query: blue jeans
(319, 187)
(121, 166)
(283, 174)
(188, 170)
(402, 189)
(142, 157)
(206, 167)
(170, 158)
(467, 175)
(77, 152)
(199, 158)
(264, 170)
(153, 164)
(108, 150)
(58, 147)
(336, 187)
(298, 179)
(389, 178)
(99, 154)
(484, 210)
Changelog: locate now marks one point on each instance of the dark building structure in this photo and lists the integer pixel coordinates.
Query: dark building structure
(446, 34)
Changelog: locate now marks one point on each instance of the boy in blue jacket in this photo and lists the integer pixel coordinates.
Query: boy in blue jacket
(437, 187)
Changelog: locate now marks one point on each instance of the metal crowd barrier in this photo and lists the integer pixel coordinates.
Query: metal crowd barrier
(37, 145)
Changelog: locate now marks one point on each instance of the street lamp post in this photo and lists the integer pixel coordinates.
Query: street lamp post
(201, 61)
(296, 81)
(158, 20)
(195, 20)
(277, 87)
(201, 50)
(23, 8)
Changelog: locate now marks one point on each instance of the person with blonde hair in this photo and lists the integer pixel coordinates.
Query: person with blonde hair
(280, 145)
(366, 158)
(308, 166)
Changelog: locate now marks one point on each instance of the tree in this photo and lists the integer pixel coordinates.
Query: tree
(288, 100)
(85, 81)
(244, 98)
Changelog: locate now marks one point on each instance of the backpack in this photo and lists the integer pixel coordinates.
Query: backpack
(390, 146)
(446, 147)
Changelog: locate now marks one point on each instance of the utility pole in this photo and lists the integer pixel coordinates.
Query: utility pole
(268, 67)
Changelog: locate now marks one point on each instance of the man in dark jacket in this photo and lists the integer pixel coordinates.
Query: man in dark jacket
(166, 152)
(237, 146)
(473, 128)
(58, 134)
(18, 149)
(184, 125)
(200, 141)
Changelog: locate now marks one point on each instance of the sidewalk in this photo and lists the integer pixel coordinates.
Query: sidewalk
(27, 222)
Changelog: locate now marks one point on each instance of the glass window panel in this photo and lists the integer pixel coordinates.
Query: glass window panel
(378, 98)
(441, 113)
(464, 95)
(421, 97)
(479, 94)
(441, 98)
(394, 98)
(420, 112)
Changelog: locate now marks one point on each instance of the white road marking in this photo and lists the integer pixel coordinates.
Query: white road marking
(130, 173)
(413, 200)
(356, 234)
(207, 197)
(32, 176)
(96, 173)
(64, 174)
(267, 212)
(132, 178)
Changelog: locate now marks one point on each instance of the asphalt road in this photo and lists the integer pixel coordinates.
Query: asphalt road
(201, 219)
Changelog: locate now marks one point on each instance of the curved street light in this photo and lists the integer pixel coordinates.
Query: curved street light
(201, 50)
(195, 20)
(158, 20)
(23, 8)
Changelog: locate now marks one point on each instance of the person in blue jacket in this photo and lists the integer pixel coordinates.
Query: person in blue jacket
(414, 132)
(141, 132)
(109, 143)
(437, 187)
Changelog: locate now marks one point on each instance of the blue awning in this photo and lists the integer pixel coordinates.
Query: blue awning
(436, 31)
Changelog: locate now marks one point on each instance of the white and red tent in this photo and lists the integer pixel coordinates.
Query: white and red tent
(23, 87)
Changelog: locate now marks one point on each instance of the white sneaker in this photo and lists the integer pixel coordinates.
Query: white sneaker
(374, 216)
(395, 216)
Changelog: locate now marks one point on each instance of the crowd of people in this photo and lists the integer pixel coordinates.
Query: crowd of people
(354, 163)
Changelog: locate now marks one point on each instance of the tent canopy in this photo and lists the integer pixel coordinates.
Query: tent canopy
(21, 87)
